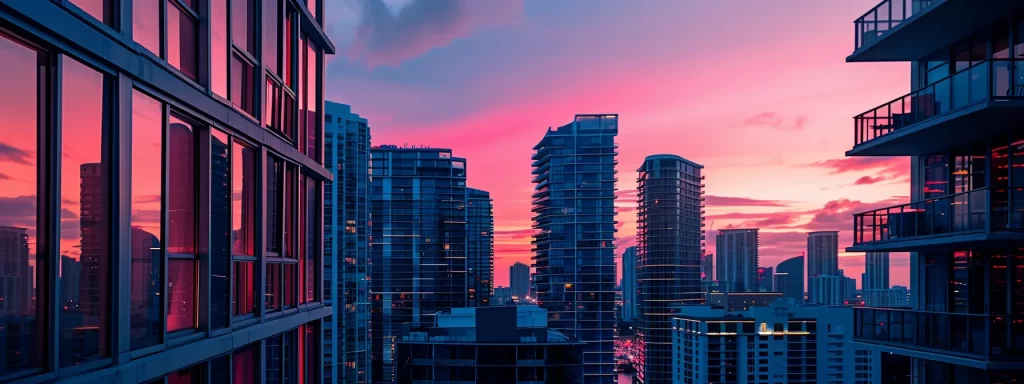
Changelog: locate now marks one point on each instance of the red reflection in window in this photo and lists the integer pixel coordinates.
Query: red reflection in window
(243, 25)
(271, 34)
(181, 194)
(181, 291)
(272, 296)
(290, 284)
(243, 200)
(219, 47)
(288, 53)
(184, 376)
(244, 295)
(244, 366)
(146, 24)
(102, 10)
(182, 43)
(290, 180)
(312, 234)
(312, 103)
(243, 87)
(147, 272)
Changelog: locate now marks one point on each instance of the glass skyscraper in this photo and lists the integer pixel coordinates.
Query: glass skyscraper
(629, 304)
(574, 215)
(170, 169)
(789, 278)
(346, 245)
(480, 245)
(669, 242)
(418, 247)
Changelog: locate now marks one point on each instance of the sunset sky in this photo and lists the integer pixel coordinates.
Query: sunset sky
(756, 91)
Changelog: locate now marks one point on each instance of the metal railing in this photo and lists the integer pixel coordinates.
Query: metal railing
(980, 336)
(961, 212)
(1000, 79)
(886, 16)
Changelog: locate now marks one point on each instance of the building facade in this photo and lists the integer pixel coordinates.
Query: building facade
(497, 344)
(707, 267)
(629, 303)
(670, 243)
(829, 290)
(959, 125)
(766, 279)
(789, 278)
(519, 279)
(737, 261)
(184, 191)
(346, 245)
(574, 246)
(777, 343)
(822, 253)
(502, 296)
(876, 271)
(418, 246)
(480, 245)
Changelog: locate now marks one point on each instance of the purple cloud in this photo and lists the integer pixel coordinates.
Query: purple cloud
(773, 120)
(742, 202)
(15, 155)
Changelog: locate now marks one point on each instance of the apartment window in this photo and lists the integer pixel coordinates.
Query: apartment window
(102, 10)
(243, 227)
(312, 6)
(311, 201)
(309, 343)
(220, 369)
(180, 29)
(309, 104)
(243, 25)
(220, 49)
(282, 258)
(192, 375)
(146, 197)
(244, 365)
(275, 209)
(24, 78)
(85, 263)
(220, 229)
(272, 35)
(243, 84)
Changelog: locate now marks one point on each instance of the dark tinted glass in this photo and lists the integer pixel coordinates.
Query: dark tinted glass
(245, 288)
(219, 47)
(220, 229)
(243, 200)
(102, 10)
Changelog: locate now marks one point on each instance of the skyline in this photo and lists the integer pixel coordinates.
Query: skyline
(659, 89)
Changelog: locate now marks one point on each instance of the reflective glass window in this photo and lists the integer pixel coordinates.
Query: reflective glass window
(146, 276)
(146, 24)
(220, 229)
(182, 40)
(102, 10)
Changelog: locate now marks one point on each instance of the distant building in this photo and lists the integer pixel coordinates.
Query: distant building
(876, 271)
(895, 297)
(742, 301)
(830, 289)
(822, 258)
(480, 245)
(707, 267)
(629, 303)
(519, 279)
(777, 343)
(789, 278)
(766, 279)
(488, 345)
(502, 296)
(736, 264)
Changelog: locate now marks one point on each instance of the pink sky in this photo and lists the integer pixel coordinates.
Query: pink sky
(756, 91)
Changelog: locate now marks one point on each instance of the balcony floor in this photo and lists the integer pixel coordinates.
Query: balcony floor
(939, 133)
(943, 242)
(934, 28)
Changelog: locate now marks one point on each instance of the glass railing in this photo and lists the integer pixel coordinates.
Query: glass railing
(997, 79)
(961, 212)
(886, 16)
(987, 337)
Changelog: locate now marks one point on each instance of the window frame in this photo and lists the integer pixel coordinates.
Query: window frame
(201, 42)
(198, 129)
(254, 259)
(282, 260)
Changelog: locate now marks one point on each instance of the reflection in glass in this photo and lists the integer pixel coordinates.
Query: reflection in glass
(220, 229)
(290, 347)
(310, 340)
(243, 25)
(85, 257)
(181, 194)
(312, 213)
(271, 21)
(181, 291)
(244, 365)
(242, 85)
(287, 51)
(219, 47)
(244, 298)
(312, 103)
(273, 196)
(288, 218)
(272, 296)
(192, 375)
(19, 328)
(146, 149)
(290, 285)
(243, 200)
(146, 24)
(102, 10)
(182, 43)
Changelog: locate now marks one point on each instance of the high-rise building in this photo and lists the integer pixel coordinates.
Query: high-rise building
(895, 297)
(480, 245)
(574, 215)
(418, 254)
(829, 289)
(169, 171)
(737, 262)
(519, 279)
(629, 303)
(497, 344)
(502, 296)
(766, 279)
(777, 343)
(346, 347)
(962, 223)
(789, 278)
(822, 259)
(707, 267)
(876, 271)
(670, 243)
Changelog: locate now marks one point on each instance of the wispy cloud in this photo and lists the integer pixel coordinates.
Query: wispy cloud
(15, 155)
(776, 121)
(728, 201)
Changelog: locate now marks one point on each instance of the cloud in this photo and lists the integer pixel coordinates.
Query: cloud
(713, 200)
(15, 155)
(18, 211)
(5, 177)
(513, 234)
(868, 180)
(887, 165)
(782, 219)
(775, 121)
(626, 194)
(386, 38)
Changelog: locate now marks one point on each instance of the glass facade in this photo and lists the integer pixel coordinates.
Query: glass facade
(574, 192)
(418, 259)
(141, 202)
(480, 245)
(669, 247)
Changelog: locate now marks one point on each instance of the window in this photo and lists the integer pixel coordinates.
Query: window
(146, 196)
(311, 4)
(85, 262)
(244, 365)
(309, 341)
(181, 31)
(191, 375)
(220, 48)
(181, 225)
(146, 24)
(20, 325)
(272, 35)
(243, 25)
(282, 258)
(243, 219)
(243, 82)
(102, 10)
(312, 120)
(281, 358)
(312, 213)
(275, 210)
(220, 229)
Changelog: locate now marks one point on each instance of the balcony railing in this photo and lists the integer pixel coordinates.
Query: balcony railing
(886, 16)
(985, 337)
(957, 213)
(996, 79)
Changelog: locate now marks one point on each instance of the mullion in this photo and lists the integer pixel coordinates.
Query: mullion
(185, 8)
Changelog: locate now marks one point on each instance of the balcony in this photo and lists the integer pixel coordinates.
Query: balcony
(944, 222)
(983, 339)
(908, 30)
(972, 104)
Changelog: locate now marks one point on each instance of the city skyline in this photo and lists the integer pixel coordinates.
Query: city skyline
(804, 182)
